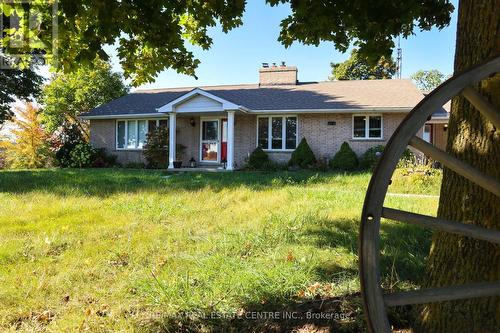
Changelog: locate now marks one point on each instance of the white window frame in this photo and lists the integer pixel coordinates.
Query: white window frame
(367, 126)
(283, 132)
(126, 121)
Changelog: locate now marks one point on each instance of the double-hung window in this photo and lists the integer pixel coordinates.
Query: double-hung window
(367, 127)
(277, 132)
(132, 134)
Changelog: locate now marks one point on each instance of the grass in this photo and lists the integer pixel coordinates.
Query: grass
(140, 250)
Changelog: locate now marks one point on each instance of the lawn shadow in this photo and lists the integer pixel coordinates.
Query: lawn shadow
(106, 182)
(404, 249)
(335, 314)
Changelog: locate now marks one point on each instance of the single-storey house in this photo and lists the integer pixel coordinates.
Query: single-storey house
(224, 124)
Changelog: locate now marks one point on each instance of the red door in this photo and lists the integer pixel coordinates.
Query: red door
(223, 143)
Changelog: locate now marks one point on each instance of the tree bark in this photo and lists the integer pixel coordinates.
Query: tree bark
(473, 139)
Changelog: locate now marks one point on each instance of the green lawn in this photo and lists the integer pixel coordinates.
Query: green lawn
(131, 250)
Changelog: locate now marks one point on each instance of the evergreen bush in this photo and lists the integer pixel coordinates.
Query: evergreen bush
(345, 158)
(302, 156)
(258, 159)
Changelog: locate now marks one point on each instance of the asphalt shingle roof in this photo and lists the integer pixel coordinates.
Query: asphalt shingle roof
(338, 95)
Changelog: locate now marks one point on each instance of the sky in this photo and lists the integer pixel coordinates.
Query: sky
(235, 57)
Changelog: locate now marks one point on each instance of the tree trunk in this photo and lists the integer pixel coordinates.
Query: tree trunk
(473, 139)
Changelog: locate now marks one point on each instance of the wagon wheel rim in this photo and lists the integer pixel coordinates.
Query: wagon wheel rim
(375, 302)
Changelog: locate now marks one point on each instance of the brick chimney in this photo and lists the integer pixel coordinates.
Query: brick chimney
(277, 75)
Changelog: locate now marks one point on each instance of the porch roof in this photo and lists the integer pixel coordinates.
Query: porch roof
(313, 97)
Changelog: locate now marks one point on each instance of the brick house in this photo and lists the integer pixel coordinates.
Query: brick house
(220, 124)
(436, 128)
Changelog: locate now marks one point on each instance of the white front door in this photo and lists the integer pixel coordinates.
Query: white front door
(209, 140)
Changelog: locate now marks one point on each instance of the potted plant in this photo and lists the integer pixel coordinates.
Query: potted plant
(192, 163)
(180, 149)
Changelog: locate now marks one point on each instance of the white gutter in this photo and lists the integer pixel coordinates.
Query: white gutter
(127, 116)
(239, 108)
(249, 111)
(360, 110)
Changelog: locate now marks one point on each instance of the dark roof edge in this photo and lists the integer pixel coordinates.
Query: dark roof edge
(257, 112)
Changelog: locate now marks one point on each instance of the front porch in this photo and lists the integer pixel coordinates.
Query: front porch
(204, 125)
(207, 141)
(200, 169)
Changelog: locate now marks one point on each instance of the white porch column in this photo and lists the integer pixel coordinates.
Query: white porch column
(230, 140)
(172, 139)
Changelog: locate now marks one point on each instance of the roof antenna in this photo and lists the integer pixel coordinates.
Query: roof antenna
(399, 59)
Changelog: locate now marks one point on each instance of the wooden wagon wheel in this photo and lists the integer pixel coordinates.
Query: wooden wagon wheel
(375, 302)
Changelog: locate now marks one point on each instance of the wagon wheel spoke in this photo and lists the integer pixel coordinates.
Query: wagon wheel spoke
(464, 169)
(443, 225)
(375, 302)
(480, 103)
(429, 295)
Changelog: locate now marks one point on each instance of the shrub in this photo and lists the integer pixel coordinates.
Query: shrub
(135, 165)
(371, 156)
(302, 156)
(258, 159)
(156, 148)
(407, 159)
(421, 177)
(345, 158)
(321, 165)
(274, 166)
(65, 142)
(82, 156)
(104, 160)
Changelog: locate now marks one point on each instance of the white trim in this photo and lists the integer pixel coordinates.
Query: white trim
(283, 132)
(161, 114)
(126, 116)
(218, 119)
(360, 110)
(230, 140)
(172, 140)
(226, 105)
(367, 126)
(137, 131)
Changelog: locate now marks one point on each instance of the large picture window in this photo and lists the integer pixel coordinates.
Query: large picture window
(132, 134)
(367, 127)
(277, 132)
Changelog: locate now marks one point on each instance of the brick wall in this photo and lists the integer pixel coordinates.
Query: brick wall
(325, 140)
(278, 75)
(103, 135)
(189, 136)
(245, 138)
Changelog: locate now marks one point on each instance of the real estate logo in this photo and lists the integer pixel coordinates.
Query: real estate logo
(28, 33)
